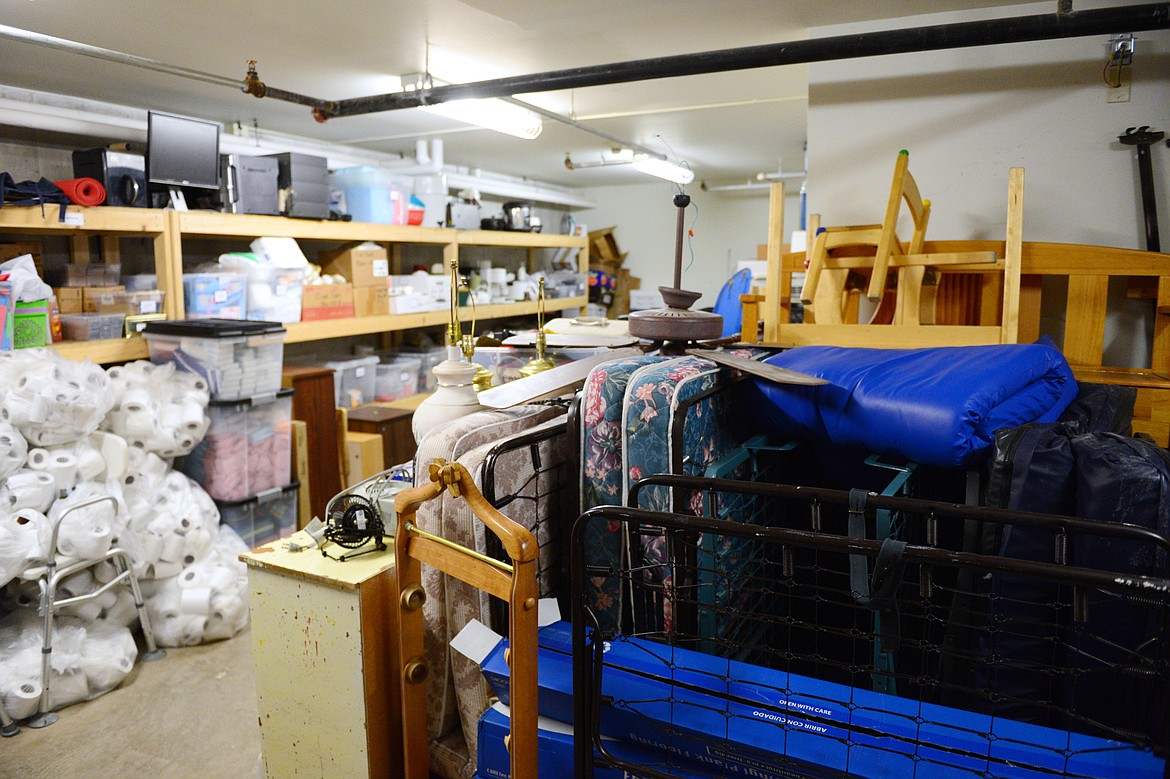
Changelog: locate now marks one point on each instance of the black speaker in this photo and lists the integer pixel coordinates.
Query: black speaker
(122, 173)
(304, 185)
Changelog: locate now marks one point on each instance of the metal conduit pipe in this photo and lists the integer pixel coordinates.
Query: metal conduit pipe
(957, 35)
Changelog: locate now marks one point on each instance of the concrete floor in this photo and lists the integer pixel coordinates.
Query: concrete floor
(191, 714)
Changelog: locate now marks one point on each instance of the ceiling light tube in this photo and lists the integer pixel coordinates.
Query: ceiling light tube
(652, 166)
(491, 114)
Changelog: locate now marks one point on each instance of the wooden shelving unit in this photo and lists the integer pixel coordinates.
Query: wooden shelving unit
(170, 228)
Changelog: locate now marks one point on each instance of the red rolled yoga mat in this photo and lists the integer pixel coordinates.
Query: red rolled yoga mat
(83, 191)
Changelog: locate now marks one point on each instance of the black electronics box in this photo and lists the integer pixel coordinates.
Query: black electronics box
(304, 185)
(122, 173)
(248, 185)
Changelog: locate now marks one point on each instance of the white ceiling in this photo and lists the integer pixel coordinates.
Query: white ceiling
(728, 126)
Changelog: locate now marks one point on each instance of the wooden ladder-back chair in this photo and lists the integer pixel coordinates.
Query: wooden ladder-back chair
(877, 241)
(514, 583)
(914, 315)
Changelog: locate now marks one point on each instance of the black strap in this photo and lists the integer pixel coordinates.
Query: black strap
(877, 592)
(32, 193)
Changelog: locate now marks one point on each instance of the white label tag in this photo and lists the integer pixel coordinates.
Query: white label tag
(148, 307)
(380, 268)
(75, 218)
(220, 296)
(475, 641)
(359, 372)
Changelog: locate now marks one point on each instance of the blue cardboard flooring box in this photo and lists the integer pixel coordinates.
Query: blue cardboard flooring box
(743, 720)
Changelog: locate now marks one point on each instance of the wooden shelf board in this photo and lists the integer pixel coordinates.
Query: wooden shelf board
(130, 221)
(209, 224)
(102, 352)
(525, 240)
(300, 332)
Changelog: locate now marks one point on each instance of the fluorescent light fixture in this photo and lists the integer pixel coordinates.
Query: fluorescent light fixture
(488, 113)
(653, 166)
(491, 114)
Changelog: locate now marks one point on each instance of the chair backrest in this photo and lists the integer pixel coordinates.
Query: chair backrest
(514, 583)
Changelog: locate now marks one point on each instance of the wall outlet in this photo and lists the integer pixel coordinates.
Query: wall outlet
(1119, 93)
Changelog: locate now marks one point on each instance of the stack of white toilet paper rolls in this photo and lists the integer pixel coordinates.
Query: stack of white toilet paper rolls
(52, 456)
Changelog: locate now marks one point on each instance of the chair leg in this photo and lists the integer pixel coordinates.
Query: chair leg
(152, 652)
(8, 728)
(44, 718)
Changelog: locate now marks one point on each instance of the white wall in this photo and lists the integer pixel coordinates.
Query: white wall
(968, 115)
(727, 228)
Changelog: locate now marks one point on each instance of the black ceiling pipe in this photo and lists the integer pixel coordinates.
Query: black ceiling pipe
(989, 32)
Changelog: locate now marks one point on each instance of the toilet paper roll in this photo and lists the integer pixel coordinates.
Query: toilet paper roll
(67, 689)
(138, 424)
(172, 549)
(195, 601)
(104, 572)
(89, 611)
(107, 599)
(170, 416)
(191, 415)
(28, 489)
(137, 400)
(39, 459)
(22, 701)
(152, 546)
(90, 464)
(164, 569)
(221, 579)
(86, 542)
(63, 468)
(195, 578)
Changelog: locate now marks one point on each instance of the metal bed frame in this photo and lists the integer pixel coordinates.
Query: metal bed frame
(916, 590)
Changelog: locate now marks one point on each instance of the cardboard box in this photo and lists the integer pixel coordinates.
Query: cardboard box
(690, 704)
(371, 301)
(412, 304)
(362, 267)
(69, 299)
(327, 301)
(300, 469)
(363, 452)
(9, 251)
(90, 295)
(554, 744)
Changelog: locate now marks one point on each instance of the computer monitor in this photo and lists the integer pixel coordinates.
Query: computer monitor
(181, 152)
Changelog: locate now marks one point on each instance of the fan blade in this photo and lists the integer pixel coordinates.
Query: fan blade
(550, 383)
(761, 369)
(583, 340)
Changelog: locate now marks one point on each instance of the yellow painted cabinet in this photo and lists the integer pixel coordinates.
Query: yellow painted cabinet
(322, 642)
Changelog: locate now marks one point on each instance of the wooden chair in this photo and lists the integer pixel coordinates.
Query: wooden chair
(514, 583)
(914, 312)
(844, 262)
(882, 239)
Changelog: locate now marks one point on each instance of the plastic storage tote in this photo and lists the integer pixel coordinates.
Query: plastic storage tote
(92, 327)
(264, 517)
(396, 378)
(371, 195)
(239, 359)
(215, 295)
(247, 449)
